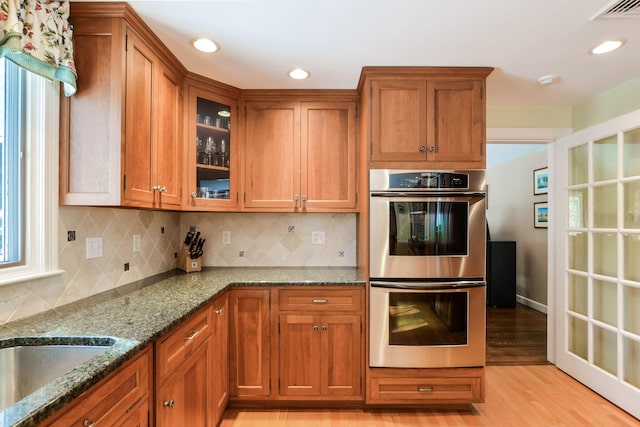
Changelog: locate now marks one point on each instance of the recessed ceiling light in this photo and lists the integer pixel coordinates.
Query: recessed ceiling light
(546, 80)
(607, 46)
(204, 44)
(299, 74)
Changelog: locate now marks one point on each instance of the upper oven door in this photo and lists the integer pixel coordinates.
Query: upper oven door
(427, 236)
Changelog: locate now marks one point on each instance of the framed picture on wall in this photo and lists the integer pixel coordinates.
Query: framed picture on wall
(541, 181)
(540, 215)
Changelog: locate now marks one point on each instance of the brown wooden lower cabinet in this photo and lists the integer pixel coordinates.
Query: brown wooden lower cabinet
(220, 358)
(418, 386)
(121, 399)
(250, 344)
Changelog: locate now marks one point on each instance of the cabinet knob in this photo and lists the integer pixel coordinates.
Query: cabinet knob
(324, 327)
(304, 197)
(87, 423)
(432, 148)
(169, 404)
(423, 148)
(194, 194)
(162, 189)
(315, 327)
(156, 188)
(220, 312)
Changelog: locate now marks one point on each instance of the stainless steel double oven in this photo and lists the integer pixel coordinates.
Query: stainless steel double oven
(427, 268)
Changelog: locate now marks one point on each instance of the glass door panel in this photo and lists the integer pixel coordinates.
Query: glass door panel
(605, 259)
(631, 366)
(578, 164)
(605, 158)
(631, 249)
(578, 251)
(605, 298)
(578, 342)
(605, 343)
(631, 304)
(605, 206)
(212, 149)
(631, 154)
(578, 294)
(631, 191)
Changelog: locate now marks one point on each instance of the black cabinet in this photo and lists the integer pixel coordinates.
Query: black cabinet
(501, 273)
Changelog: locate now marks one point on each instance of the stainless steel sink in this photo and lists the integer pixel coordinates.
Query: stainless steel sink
(28, 364)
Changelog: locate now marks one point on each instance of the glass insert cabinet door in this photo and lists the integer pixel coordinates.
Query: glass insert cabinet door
(598, 279)
(213, 124)
(212, 153)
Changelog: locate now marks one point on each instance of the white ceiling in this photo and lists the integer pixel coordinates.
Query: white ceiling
(261, 40)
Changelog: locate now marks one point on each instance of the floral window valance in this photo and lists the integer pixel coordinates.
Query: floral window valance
(36, 35)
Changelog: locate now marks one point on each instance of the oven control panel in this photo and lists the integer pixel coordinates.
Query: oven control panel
(404, 180)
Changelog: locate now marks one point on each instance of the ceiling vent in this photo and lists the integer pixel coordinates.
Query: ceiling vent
(619, 9)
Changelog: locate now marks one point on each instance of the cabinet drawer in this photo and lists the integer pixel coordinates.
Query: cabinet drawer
(435, 390)
(320, 299)
(118, 396)
(174, 347)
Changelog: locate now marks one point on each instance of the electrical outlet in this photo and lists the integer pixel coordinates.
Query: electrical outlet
(241, 254)
(192, 228)
(226, 237)
(71, 236)
(317, 237)
(94, 247)
(340, 254)
(136, 243)
(291, 228)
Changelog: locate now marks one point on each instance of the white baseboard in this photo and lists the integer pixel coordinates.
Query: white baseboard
(531, 304)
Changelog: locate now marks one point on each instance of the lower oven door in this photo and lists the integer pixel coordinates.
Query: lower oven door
(427, 325)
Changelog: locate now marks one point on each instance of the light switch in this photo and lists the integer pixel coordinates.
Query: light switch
(94, 247)
(317, 237)
(136, 243)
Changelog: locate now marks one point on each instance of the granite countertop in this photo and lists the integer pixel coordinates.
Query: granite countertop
(136, 315)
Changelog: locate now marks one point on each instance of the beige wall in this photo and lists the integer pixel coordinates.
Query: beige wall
(510, 217)
(529, 117)
(609, 104)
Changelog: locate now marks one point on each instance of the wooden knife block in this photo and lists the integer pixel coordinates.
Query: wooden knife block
(185, 263)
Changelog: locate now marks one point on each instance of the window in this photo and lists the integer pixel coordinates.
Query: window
(12, 173)
(28, 174)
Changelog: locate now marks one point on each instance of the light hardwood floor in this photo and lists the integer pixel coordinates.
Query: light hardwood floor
(533, 395)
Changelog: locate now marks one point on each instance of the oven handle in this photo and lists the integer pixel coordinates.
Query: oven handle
(428, 286)
(430, 194)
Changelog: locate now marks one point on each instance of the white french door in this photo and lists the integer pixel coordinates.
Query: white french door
(597, 271)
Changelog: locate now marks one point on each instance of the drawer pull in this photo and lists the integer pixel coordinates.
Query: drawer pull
(87, 423)
(192, 336)
(170, 404)
(320, 301)
(425, 389)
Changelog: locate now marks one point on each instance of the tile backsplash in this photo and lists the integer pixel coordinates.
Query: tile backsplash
(275, 239)
(256, 239)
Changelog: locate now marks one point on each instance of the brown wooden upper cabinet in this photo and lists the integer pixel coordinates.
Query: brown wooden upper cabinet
(430, 115)
(121, 134)
(300, 156)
